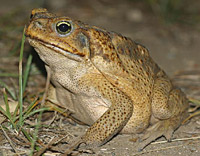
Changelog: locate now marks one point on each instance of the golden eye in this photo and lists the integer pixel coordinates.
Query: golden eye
(63, 27)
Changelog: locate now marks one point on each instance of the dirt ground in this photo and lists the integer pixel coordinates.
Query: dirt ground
(174, 45)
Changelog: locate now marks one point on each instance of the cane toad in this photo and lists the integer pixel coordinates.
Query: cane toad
(106, 80)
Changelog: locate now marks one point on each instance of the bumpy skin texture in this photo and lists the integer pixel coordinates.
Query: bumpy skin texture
(106, 80)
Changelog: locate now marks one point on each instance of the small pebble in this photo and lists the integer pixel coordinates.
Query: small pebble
(103, 149)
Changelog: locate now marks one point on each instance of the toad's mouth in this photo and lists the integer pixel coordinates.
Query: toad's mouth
(36, 43)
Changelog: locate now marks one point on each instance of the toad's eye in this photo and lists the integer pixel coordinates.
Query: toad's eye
(63, 27)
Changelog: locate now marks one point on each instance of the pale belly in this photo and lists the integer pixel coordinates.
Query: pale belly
(88, 109)
(84, 108)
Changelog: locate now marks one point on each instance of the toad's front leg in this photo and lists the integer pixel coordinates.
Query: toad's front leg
(111, 122)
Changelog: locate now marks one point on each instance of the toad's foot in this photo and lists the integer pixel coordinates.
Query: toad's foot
(73, 146)
(164, 128)
(80, 141)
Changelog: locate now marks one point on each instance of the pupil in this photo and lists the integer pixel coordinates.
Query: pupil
(64, 27)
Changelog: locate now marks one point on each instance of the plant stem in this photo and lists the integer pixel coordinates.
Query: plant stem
(21, 81)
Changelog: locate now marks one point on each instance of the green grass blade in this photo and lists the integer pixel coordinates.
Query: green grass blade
(36, 111)
(15, 112)
(9, 75)
(30, 107)
(26, 112)
(10, 119)
(20, 80)
(6, 103)
(26, 135)
(3, 112)
(194, 101)
(35, 136)
(26, 72)
(7, 111)
(12, 94)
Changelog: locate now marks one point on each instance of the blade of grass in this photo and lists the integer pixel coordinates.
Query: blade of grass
(9, 140)
(35, 136)
(30, 107)
(26, 72)
(26, 134)
(16, 110)
(3, 112)
(20, 80)
(195, 101)
(36, 111)
(12, 94)
(32, 113)
(6, 103)
(9, 75)
(7, 111)
(29, 137)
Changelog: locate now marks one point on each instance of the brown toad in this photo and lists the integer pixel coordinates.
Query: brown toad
(106, 80)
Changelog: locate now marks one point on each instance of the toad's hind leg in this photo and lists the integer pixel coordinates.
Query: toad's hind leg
(164, 128)
(169, 109)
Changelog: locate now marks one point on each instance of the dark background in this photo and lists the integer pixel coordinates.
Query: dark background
(168, 28)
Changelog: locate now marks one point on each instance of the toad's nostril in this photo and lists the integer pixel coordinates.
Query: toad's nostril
(38, 24)
(31, 16)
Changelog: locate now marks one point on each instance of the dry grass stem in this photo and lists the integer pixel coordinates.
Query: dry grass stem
(9, 140)
(174, 140)
(191, 116)
(46, 147)
(46, 87)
